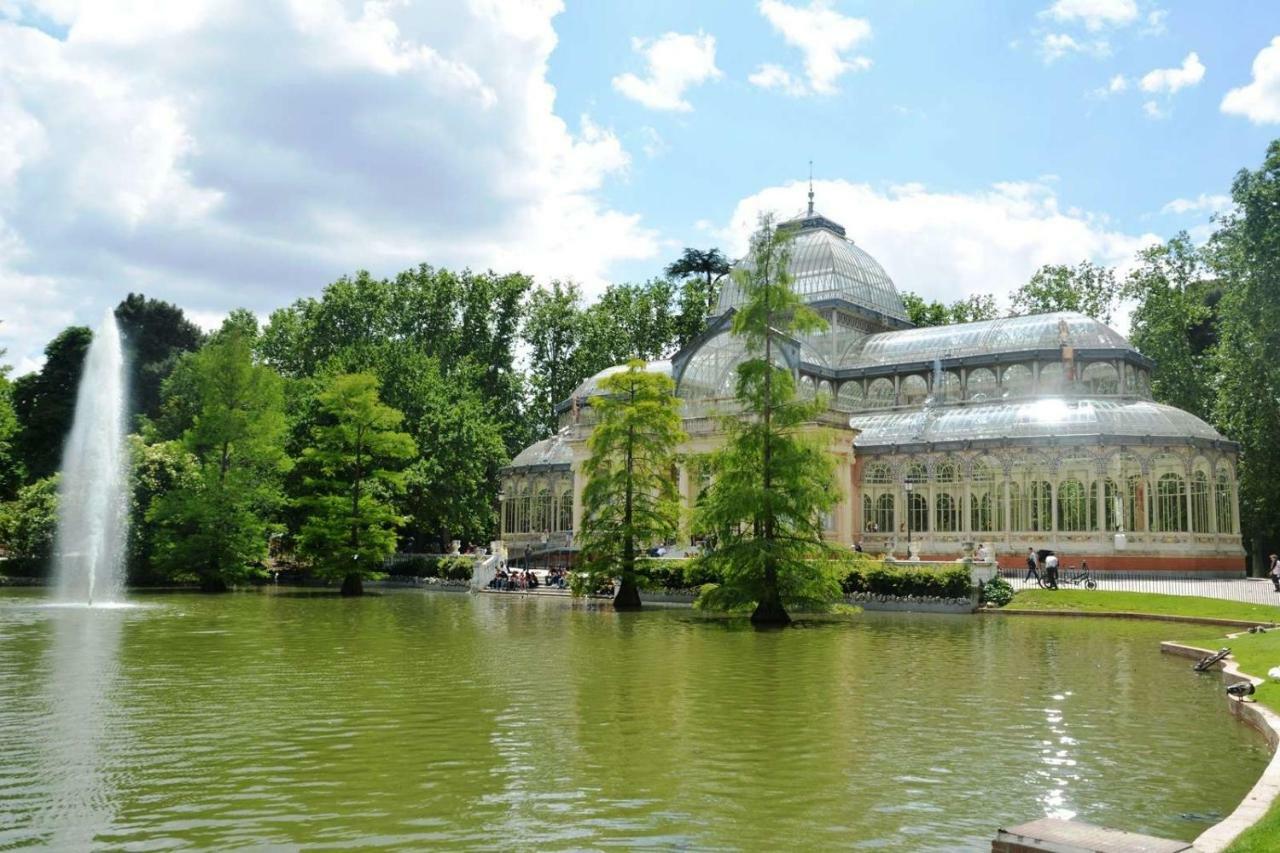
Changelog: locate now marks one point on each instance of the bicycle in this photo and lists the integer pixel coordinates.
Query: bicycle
(1084, 578)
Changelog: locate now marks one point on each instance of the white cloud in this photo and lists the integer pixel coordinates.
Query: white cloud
(824, 36)
(1169, 80)
(652, 143)
(1156, 23)
(674, 62)
(948, 245)
(1259, 101)
(1153, 110)
(1115, 86)
(1054, 46)
(1094, 14)
(1203, 203)
(224, 153)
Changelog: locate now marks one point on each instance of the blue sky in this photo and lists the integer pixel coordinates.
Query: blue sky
(243, 153)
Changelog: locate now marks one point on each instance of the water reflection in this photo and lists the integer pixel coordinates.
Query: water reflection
(80, 702)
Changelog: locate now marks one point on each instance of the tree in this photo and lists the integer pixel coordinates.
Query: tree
(219, 523)
(552, 331)
(28, 525)
(350, 529)
(156, 470)
(45, 402)
(771, 483)
(10, 463)
(700, 272)
(1174, 322)
(630, 497)
(1089, 289)
(1246, 255)
(156, 334)
(981, 306)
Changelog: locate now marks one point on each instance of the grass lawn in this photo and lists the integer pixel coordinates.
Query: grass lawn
(1097, 601)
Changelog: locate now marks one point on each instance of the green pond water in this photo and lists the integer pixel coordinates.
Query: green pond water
(418, 720)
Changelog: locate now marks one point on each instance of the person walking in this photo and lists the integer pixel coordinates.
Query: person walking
(1033, 566)
(1274, 572)
(1051, 571)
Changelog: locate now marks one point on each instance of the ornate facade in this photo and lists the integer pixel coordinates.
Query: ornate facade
(1035, 431)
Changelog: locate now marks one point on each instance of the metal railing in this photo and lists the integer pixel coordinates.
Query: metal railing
(1250, 590)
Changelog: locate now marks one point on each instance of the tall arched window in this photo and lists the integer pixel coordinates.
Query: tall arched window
(884, 517)
(948, 514)
(1110, 495)
(1170, 508)
(1040, 505)
(1224, 504)
(1073, 506)
(1051, 378)
(850, 396)
(543, 513)
(1101, 378)
(919, 512)
(1200, 502)
(986, 509)
(566, 510)
(1134, 499)
(522, 512)
(950, 390)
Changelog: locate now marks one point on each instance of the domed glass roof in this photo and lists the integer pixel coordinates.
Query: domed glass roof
(590, 387)
(553, 451)
(827, 265)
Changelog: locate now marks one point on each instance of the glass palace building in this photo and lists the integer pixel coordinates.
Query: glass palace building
(1034, 431)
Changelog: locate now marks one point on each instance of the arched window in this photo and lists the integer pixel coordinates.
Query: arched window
(1051, 378)
(880, 394)
(1073, 506)
(986, 509)
(914, 390)
(566, 510)
(982, 384)
(522, 519)
(1111, 495)
(877, 472)
(1040, 505)
(1200, 502)
(1135, 498)
(806, 390)
(918, 512)
(850, 395)
(1170, 508)
(543, 514)
(948, 515)
(509, 511)
(945, 472)
(824, 388)
(917, 473)
(884, 517)
(1101, 378)
(1144, 384)
(1224, 504)
(1017, 380)
(1018, 512)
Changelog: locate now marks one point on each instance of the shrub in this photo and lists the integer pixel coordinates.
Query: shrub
(997, 591)
(875, 578)
(675, 574)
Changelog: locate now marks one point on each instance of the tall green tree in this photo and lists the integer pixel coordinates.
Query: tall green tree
(630, 498)
(552, 331)
(11, 467)
(773, 480)
(218, 524)
(700, 272)
(980, 306)
(156, 334)
(156, 470)
(45, 402)
(1174, 322)
(1087, 288)
(351, 469)
(1246, 252)
(27, 527)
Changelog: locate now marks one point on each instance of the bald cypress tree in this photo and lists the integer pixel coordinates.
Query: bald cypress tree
(629, 500)
(773, 480)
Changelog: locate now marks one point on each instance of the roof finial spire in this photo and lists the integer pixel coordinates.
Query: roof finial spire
(811, 188)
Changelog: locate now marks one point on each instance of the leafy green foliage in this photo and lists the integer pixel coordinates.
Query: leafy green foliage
(45, 402)
(157, 470)
(773, 482)
(877, 578)
(11, 467)
(629, 500)
(28, 525)
(349, 469)
(699, 271)
(1087, 288)
(452, 568)
(218, 524)
(156, 334)
(997, 592)
(981, 306)
(1246, 253)
(1174, 322)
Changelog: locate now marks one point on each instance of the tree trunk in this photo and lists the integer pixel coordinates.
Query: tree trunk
(353, 584)
(770, 613)
(628, 596)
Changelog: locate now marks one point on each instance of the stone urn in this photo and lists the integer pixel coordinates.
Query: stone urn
(966, 549)
(455, 547)
(913, 553)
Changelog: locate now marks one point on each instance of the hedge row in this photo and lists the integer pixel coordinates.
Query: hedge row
(866, 576)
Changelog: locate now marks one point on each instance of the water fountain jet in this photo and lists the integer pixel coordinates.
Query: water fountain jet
(92, 492)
